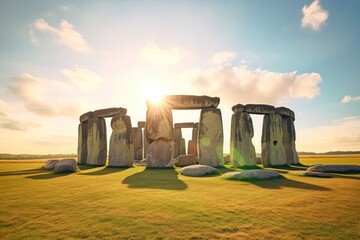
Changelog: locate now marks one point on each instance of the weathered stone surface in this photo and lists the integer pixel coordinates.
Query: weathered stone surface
(137, 142)
(182, 147)
(227, 159)
(177, 136)
(82, 143)
(242, 150)
(259, 108)
(50, 164)
(160, 154)
(334, 168)
(186, 160)
(289, 138)
(188, 102)
(110, 112)
(141, 124)
(238, 108)
(285, 112)
(211, 138)
(191, 147)
(65, 165)
(86, 116)
(121, 151)
(159, 123)
(311, 174)
(198, 170)
(146, 143)
(142, 163)
(195, 133)
(184, 125)
(251, 174)
(96, 141)
(273, 152)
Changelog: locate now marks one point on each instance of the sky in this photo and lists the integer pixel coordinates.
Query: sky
(60, 59)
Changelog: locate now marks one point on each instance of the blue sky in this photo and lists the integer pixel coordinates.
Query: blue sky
(62, 58)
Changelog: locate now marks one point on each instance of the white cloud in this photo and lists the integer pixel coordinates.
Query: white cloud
(343, 135)
(161, 56)
(83, 78)
(65, 35)
(238, 84)
(314, 16)
(38, 96)
(223, 57)
(348, 99)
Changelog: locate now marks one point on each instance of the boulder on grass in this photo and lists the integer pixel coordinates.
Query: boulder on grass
(66, 165)
(50, 164)
(251, 174)
(334, 168)
(198, 170)
(186, 160)
(311, 174)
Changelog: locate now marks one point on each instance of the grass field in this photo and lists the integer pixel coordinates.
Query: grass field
(135, 203)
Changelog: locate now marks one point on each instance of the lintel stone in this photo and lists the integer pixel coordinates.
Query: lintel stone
(86, 116)
(259, 109)
(141, 124)
(184, 125)
(110, 112)
(188, 102)
(285, 112)
(238, 108)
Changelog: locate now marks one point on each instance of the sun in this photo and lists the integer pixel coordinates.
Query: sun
(154, 92)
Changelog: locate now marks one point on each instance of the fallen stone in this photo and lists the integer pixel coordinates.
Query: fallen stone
(86, 116)
(238, 108)
(285, 112)
(184, 125)
(251, 174)
(211, 138)
(334, 168)
(272, 148)
(141, 124)
(50, 164)
(186, 160)
(188, 102)
(160, 154)
(198, 170)
(110, 112)
(82, 143)
(121, 151)
(65, 165)
(259, 108)
(242, 150)
(159, 123)
(96, 142)
(310, 174)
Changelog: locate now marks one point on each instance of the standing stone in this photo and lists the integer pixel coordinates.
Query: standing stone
(137, 141)
(96, 141)
(141, 124)
(177, 141)
(210, 138)
(182, 147)
(121, 152)
(242, 151)
(160, 154)
(289, 140)
(146, 142)
(191, 147)
(273, 152)
(159, 122)
(82, 143)
(195, 133)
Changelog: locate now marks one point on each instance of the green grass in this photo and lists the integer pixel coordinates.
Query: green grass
(135, 203)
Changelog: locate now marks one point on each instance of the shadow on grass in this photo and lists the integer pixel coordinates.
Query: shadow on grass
(24, 172)
(283, 182)
(49, 175)
(103, 170)
(155, 179)
(355, 176)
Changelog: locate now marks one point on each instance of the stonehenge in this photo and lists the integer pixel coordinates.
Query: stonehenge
(158, 141)
(92, 142)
